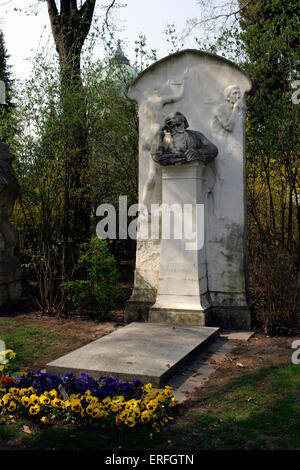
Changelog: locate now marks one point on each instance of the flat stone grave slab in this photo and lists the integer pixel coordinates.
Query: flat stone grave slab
(139, 351)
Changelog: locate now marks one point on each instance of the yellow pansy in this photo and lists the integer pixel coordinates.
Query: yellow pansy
(12, 406)
(96, 413)
(145, 416)
(6, 398)
(172, 402)
(152, 405)
(89, 409)
(147, 388)
(168, 391)
(76, 405)
(25, 400)
(161, 398)
(106, 401)
(44, 400)
(57, 403)
(34, 399)
(118, 420)
(74, 396)
(67, 405)
(34, 410)
(130, 422)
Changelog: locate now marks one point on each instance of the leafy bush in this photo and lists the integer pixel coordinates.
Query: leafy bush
(273, 286)
(98, 289)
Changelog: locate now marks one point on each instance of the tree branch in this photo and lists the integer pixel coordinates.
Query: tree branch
(87, 9)
(107, 13)
(52, 9)
(86, 13)
(222, 15)
(54, 17)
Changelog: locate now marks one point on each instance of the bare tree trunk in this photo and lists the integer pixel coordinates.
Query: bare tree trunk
(70, 27)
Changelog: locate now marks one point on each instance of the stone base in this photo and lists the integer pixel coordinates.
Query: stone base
(179, 317)
(146, 352)
(225, 317)
(231, 318)
(10, 281)
(137, 311)
(10, 293)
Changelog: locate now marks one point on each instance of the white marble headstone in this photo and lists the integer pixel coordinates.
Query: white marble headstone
(211, 92)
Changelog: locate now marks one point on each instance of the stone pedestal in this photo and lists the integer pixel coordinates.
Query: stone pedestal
(182, 286)
(10, 281)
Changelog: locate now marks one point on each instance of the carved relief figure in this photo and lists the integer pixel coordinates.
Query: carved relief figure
(225, 117)
(175, 145)
(152, 105)
(9, 190)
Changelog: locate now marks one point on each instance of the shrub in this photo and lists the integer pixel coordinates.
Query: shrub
(273, 286)
(98, 289)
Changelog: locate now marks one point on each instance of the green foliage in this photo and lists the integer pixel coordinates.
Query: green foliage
(271, 40)
(97, 292)
(5, 74)
(50, 227)
(7, 125)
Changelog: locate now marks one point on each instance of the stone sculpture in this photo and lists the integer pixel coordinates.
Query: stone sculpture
(9, 191)
(154, 102)
(226, 114)
(10, 267)
(179, 166)
(175, 145)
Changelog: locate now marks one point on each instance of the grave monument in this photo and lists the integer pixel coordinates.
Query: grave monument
(192, 108)
(188, 283)
(10, 266)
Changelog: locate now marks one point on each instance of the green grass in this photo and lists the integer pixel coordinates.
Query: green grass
(257, 411)
(270, 420)
(30, 342)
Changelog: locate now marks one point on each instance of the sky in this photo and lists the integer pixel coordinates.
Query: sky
(25, 34)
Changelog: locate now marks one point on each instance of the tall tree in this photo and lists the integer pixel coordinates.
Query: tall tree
(70, 26)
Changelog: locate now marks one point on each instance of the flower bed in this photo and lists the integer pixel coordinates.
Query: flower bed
(106, 401)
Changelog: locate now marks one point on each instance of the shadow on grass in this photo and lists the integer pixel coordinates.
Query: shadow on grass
(257, 411)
